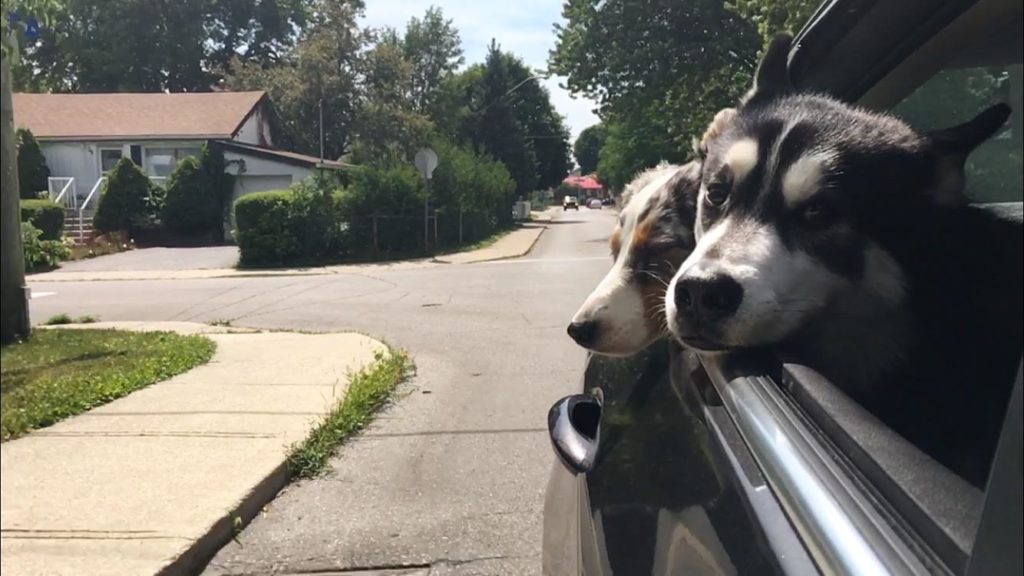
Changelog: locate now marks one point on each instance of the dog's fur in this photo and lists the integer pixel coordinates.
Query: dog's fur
(839, 237)
(654, 234)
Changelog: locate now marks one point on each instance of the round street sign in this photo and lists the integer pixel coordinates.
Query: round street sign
(426, 162)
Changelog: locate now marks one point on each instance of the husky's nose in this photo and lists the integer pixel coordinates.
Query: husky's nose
(583, 332)
(708, 298)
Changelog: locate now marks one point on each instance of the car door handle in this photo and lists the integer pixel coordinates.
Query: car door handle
(574, 425)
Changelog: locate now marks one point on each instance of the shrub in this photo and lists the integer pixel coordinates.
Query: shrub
(46, 215)
(125, 203)
(393, 193)
(300, 225)
(32, 170)
(41, 253)
(264, 233)
(191, 206)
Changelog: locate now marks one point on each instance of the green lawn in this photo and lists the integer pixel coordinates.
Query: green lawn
(60, 373)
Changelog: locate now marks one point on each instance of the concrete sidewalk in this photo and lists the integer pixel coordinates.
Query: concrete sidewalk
(516, 243)
(151, 483)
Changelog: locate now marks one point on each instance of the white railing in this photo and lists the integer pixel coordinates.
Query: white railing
(62, 190)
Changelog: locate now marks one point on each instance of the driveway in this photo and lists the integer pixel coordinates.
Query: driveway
(206, 257)
(451, 478)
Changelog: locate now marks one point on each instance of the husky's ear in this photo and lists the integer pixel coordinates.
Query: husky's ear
(772, 76)
(953, 145)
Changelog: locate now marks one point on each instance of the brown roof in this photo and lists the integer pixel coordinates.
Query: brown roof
(198, 115)
(282, 155)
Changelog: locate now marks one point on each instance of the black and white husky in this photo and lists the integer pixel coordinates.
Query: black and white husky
(837, 236)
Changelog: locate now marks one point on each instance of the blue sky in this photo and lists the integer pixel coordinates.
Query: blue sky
(523, 27)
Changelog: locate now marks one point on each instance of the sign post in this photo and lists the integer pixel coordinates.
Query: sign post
(426, 162)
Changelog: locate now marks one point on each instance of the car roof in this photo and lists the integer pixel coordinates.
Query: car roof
(869, 38)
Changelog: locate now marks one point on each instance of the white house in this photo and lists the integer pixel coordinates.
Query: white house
(84, 135)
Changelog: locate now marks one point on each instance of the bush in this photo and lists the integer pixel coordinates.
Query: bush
(126, 200)
(263, 232)
(32, 170)
(41, 253)
(395, 194)
(46, 215)
(191, 205)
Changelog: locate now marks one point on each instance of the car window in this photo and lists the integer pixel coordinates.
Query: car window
(956, 94)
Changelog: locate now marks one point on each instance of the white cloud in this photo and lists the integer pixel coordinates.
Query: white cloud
(523, 27)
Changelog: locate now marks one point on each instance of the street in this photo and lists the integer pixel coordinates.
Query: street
(452, 476)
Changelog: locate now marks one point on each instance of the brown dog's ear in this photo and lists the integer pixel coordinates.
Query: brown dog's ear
(952, 147)
(772, 76)
(722, 120)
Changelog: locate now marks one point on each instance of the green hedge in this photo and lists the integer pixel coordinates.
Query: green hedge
(196, 191)
(46, 215)
(301, 225)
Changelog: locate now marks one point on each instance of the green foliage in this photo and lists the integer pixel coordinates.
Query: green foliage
(59, 320)
(124, 203)
(60, 373)
(632, 144)
(368, 391)
(142, 46)
(322, 68)
(770, 17)
(46, 215)
(263, 233)
(32, 169)
(433, 48)
(195, 195)
(588, 147)
(300, 225)
(39, 253)
(660, 73)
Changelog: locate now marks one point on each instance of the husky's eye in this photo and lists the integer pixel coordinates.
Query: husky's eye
(817, 213)
(717, 193)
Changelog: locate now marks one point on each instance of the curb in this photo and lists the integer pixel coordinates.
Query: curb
(204, 548)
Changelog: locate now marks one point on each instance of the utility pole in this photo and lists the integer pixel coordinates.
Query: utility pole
(14, 322)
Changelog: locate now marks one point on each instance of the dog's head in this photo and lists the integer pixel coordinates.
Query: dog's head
(653, 236)
(797, 193)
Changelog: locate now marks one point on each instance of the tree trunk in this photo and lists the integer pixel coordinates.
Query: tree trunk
(14, 321)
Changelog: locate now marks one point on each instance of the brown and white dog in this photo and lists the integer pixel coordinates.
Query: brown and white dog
(654, 234)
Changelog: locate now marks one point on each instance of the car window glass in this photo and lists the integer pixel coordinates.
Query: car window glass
(956, 94)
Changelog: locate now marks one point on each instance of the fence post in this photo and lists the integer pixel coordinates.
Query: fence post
(460, 223)
(376, 247)
(435, 230)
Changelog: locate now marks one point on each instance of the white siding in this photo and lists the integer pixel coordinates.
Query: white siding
(77, 160)
(255, 130)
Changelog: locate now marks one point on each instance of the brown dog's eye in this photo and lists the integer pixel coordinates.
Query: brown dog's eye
(716, 194)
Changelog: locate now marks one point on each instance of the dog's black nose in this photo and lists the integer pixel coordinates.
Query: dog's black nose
(583, 332)
(714, 297)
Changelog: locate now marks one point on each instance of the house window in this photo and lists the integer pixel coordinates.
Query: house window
(160, 162)
(109, 158)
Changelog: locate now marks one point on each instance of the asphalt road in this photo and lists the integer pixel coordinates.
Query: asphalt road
(449, 480)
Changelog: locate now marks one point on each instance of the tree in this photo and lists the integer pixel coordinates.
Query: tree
(141, 45)
(588, 147)
(33, 173)
(387, 125)
(433, 47)
(678, 62)
(322, 69)
(192, 205)
(123, 204)
(634, 142)
(497, 131)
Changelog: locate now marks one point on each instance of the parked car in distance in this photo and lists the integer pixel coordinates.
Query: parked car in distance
(608, 202)
(594, 203)
(570, 202)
